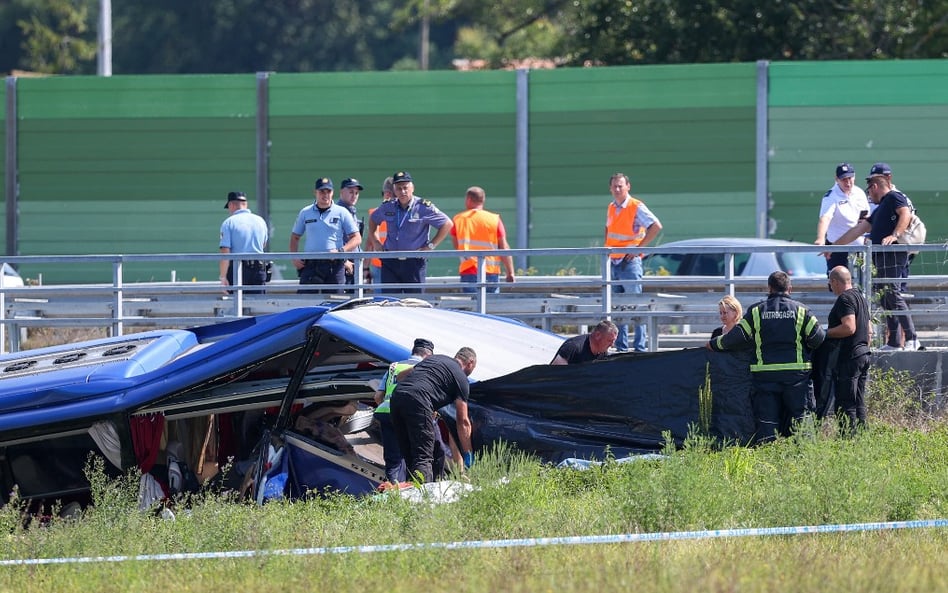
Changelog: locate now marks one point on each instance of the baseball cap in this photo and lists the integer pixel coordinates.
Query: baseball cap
(235, 196)
(401, 177)
(351, 182)
(845, 171)
(324, 183)
(423, 343)
(880, 169)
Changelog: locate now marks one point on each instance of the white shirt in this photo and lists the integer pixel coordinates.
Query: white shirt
(844, 211)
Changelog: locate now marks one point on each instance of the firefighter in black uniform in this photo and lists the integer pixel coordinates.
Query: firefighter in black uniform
(782, 334)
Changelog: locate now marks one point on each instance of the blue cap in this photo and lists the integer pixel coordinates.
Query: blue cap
(880, 169)
(424, 343)
(401, 177)
(845, 171)
(351, 182)
(235, 196)
(324, 183)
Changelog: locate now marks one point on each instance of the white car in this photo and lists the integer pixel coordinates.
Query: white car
(11, 279)
(705, 257)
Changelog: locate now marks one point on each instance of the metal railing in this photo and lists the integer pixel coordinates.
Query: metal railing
(545, 301)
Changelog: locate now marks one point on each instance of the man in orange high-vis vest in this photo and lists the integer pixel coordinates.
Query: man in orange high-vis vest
(375, 264)
(629, 223)
(476, 229)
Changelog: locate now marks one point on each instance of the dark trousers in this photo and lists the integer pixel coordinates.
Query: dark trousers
(851, 393)
(394, 462)
(837, 258)
(777, 396)
(894, 265)
(322, 271)
(252, 273)
(415, 434)
(411, 270)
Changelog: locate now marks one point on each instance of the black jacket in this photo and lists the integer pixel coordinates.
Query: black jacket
(781, 332)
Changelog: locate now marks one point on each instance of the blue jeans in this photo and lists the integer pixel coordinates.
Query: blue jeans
(629, 270)
(490, 278)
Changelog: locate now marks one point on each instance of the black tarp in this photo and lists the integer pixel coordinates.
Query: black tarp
(623, 403)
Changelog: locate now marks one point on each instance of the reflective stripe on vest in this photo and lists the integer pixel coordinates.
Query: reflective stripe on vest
(620, 226)
(799, 364)
(390, 382)
(476, 230)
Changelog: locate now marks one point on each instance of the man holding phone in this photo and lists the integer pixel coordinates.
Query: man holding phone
(844, 205)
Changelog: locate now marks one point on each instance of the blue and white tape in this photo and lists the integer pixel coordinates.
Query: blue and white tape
(578, 540)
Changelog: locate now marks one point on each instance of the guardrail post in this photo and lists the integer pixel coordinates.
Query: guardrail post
(239, 292)
(606, 287)
(481, 284)
(729, 272)
(118, 314)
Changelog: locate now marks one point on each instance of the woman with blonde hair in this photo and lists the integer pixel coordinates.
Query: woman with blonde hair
(730, 311)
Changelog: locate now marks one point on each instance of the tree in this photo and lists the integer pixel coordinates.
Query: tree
(228, 36)
(48, 36)
(496, 31)
(682, 31)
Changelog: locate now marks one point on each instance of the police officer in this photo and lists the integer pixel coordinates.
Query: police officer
(430, 385)
(842, 207)
(891, 218)
(394, 461)
(243, 232)
(408, 220)
(784, 334)
(327, 227)
(348, 198)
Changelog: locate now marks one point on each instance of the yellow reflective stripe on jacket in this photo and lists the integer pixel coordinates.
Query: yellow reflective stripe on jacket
(790, 366)
(391, 381)
(799, 364)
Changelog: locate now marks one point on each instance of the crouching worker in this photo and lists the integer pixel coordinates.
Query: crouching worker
(430, 385)
(784, 334)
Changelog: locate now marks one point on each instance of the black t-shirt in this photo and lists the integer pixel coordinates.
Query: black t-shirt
(851, 302)
(436, 381)
(576, 349)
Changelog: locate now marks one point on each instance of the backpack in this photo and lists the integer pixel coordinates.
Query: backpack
(915, 233)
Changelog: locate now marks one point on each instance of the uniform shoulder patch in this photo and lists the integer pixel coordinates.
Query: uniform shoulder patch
(427, 203)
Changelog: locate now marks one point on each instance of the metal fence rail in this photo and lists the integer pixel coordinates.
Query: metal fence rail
(550, 302)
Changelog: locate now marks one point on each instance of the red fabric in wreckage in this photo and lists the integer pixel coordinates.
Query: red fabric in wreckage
(146, 439)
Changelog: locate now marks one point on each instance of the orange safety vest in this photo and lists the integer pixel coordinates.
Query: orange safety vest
(476, 230)
(620, 226)
(383, 234)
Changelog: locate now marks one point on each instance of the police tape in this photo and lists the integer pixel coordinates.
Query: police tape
(578, 540)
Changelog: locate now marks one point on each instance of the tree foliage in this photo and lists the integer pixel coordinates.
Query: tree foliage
(209, 36)
(685, 31)
(47, 36)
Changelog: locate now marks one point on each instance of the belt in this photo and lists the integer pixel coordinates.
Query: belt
(317, 262)
(254, 263)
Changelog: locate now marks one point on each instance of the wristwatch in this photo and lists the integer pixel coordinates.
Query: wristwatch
(431, 245)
